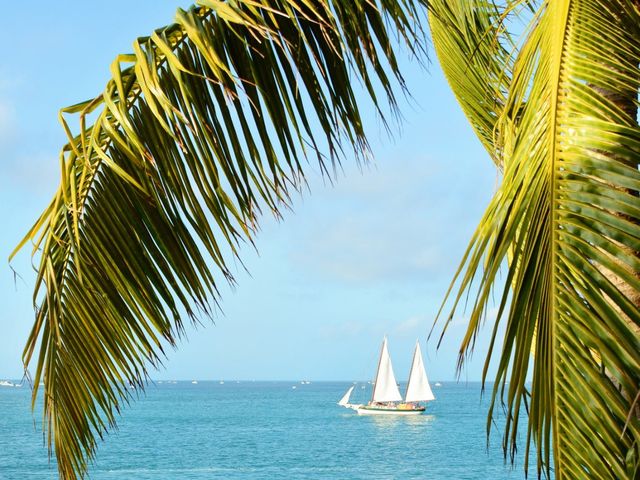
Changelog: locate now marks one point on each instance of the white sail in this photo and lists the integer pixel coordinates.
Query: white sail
(418, 388)
(385, 388)
(344, 401)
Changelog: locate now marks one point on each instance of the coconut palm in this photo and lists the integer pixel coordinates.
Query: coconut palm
(204, 126)
(556, 108)
(208, 123)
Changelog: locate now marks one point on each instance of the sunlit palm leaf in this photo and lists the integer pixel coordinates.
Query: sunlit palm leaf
(471, 39)
(568, 216)
(207, 122)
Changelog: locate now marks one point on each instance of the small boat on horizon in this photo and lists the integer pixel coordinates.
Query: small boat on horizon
(386, 398)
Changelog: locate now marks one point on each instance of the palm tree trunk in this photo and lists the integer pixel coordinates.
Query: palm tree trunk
(626, 101)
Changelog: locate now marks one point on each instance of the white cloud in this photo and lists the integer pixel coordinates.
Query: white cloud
(374, 328)
(490, 316)
(350, 328)
(10, 79)
(410, 325)
(7, 123)
(37, 172)
(8, 83)
(367, 248)
(384, 225)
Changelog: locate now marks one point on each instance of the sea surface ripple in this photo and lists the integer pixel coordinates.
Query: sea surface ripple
(270, 430)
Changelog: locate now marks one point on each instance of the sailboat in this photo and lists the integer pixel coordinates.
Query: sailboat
(386, 398)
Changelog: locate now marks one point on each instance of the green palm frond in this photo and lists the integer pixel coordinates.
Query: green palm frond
(209, 121)
(471, 36)
(566, 222)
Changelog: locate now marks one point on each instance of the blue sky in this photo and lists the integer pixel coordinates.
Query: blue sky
(371, 254)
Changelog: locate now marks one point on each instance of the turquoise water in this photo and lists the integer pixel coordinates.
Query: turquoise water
(269, 430)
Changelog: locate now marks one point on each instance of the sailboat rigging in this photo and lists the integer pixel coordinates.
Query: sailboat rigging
(386, 397)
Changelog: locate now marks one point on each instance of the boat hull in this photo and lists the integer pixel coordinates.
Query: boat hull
(371, 410)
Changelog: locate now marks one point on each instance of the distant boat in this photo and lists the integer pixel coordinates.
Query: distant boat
(5, 383)
(195, 382)
(221, 382)
(438, 384)
(386, 398)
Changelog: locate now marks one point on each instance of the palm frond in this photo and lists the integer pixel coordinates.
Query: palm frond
(205, 124)
(476, 51)
(566, 221)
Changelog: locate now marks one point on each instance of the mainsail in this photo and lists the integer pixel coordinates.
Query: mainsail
(385, 388)
(418, 388)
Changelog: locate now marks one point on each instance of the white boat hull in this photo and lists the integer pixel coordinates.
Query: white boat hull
(388, 411)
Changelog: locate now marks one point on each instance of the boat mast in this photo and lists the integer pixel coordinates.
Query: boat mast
(375, 380)
(413, 361)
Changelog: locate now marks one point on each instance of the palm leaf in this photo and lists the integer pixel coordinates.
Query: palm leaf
(475, 48)
(207, 123)
(566, 221)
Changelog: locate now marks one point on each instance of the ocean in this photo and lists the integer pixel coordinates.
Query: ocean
(272, 430)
